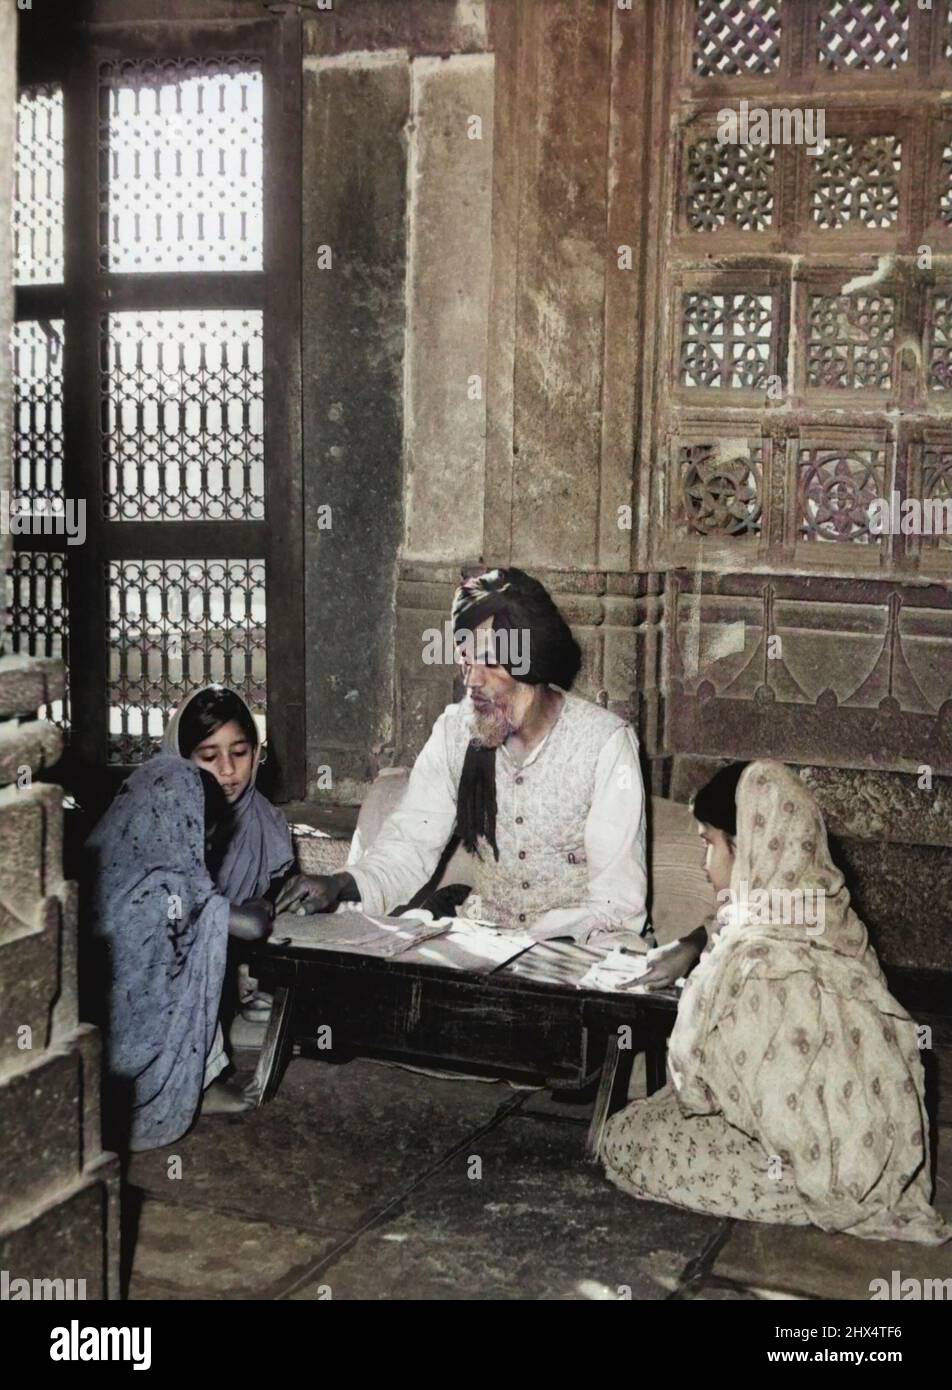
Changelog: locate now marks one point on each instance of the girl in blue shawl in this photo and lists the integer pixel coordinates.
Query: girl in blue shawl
(182, 859)
(215, 729)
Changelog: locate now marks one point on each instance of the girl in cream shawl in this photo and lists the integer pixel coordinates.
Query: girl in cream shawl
(795, 1090)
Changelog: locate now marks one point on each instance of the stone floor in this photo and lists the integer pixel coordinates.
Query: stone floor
(367, 1181)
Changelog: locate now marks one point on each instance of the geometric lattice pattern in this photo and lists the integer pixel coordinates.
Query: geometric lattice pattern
(862, 34)
(182, 391)
(181, 153)
(836, 490)
(726, 339)
(856, 181)
(729, 185)
(721, 488)
(850, 341)
(937, 488)
(38, 409)
(736, 37)
(38, 617)
(940, 346)
(174, 626)
(38, 187)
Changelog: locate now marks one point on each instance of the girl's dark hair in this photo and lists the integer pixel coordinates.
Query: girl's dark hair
(716, 803)
(207, 712)
(217, 821)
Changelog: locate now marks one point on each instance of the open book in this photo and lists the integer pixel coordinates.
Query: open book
(452, 942)
(582, 967)
(383, 937)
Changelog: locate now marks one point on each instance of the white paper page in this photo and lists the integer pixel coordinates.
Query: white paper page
(472, 947)
(383, 937)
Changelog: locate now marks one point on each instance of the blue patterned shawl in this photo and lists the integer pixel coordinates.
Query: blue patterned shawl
(163, 929)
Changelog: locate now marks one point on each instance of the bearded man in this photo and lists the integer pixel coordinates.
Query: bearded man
(542, 788)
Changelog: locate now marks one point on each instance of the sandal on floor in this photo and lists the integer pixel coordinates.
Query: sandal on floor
(224, 1098)
(258, 1008)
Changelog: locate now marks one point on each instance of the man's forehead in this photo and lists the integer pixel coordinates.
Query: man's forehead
(479, 642)
(485, 639)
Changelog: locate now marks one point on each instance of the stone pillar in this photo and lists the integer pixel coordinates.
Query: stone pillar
(448, 285)
(59, 1193)
(355, 111)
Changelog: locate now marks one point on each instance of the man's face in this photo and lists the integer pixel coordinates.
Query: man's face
(499, 701)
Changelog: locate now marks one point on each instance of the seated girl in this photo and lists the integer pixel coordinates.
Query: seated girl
(795, 1091)
(216, 730)
(161, 928)
(166, 945)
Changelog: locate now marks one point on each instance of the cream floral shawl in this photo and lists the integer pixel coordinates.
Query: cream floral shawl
(789, 1031)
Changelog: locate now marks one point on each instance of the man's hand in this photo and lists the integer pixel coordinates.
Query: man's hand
(666, 964)
(310, 893)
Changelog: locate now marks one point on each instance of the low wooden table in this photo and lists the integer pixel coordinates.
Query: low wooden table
(348, 1004)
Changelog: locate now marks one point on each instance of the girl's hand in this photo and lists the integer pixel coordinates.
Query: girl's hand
(266, 907)
(251, 921)
(666, 964)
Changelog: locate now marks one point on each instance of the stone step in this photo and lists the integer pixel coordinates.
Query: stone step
(41, 1120)
(31, 832)
(87, 1041)
(38, 983)
(66, 1008)
(49, 1119)
(27, 682)
(29, 985)
(74, 1235)
(33, 746)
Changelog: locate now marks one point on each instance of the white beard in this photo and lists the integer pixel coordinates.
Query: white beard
(491, 727)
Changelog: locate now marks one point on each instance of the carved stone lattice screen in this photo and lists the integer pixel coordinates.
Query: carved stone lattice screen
(153, 325)
(804, 420)
(37, 619)
(38, 410)
(38, 186)
(183, 142)
(183, 416)
(174, 626)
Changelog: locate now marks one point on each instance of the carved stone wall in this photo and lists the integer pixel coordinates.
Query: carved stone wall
(705, 360)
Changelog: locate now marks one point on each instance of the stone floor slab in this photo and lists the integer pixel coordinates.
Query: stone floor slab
(367, 1181)
(809, 1263)
(335, 1145)
(943, 1171)
(943, 1082)
(190, 1252)
(521, 1215)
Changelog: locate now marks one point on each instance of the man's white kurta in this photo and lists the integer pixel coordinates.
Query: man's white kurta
(570, 826)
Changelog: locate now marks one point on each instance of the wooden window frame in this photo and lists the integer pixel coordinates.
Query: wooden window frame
(88, 293)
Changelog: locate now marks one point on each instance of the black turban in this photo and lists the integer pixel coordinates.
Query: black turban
(516, 603)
